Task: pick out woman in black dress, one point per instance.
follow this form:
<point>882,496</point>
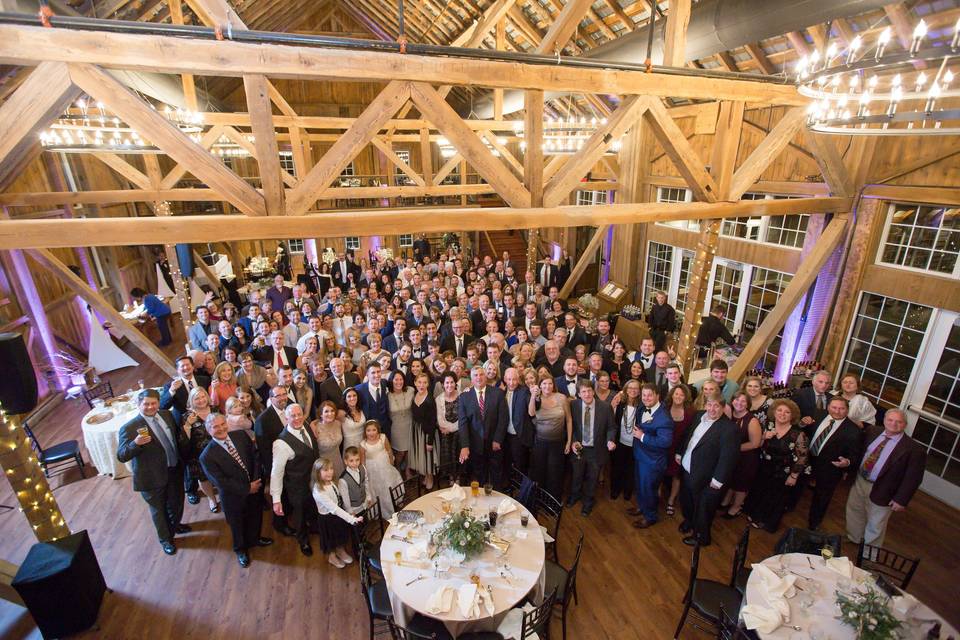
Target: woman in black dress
<point>783,457</point>
<point>617,364</point>
<point>423,412</point>
<point>751,437</point>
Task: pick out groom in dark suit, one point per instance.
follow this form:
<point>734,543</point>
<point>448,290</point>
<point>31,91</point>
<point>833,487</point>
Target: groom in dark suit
<point>483,422</point>
<point>594,437</point>
<point>374,400</point>
<point>230,463</point>
<point>836,444</point>
<point>157,449</point>
<point>707,457</point>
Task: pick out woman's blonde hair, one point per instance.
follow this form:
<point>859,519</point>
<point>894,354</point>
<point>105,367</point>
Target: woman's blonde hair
<point>318,467</point>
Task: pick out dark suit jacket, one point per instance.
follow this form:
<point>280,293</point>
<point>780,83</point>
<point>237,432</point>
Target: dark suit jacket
<point>330,390</point>
<point>266,428</point>
<point>449,344</point>
<point>604,427</point>
<point>477,323</point>
<point>552,275</point>
<point>476,430</point>
<point>715,455</point>
<point>149,461</point>
<point>806,400</point>
<point>651,376</point>
<point>712,329</point>
<point>522,422</point>
<point>264,355</point>
<point>176,402</point>
<point>846,442</point>
<point>902,472</point>
<point>380,410</point>
<point>338,278</point>
<point>577,337</point>
<point>390,343</point>
<point>560,384</point>
<point>232,482</point>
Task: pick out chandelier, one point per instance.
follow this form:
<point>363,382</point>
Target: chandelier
<point>864,89</point>
<point>567,136</point>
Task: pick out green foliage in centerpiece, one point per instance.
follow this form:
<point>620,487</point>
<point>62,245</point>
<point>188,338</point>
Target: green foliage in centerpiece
<point>462,532</point>
<point>869,614</point>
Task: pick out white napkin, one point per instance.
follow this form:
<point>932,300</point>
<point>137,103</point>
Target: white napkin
<point>469,601</point>
<point>416,551</point>
<point>546,535</point>
<point>455,492</point>
<point>441,601</point>
<point>774,586</point>
<point>903,605</point>
<point>506,506</point>
<point>762,619</point>
<point>841,565</point>
<point>512,625</point>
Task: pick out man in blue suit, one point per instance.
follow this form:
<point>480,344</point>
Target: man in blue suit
<point>483,421</point>
<point>519,423</point>
<point>652,436</point>
<point>594,437</point>
<point>373,398</point>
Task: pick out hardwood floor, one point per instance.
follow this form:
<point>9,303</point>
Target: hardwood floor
<point>630,583</point>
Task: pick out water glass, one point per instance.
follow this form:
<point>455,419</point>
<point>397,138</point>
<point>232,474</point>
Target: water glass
<point>524,519</point>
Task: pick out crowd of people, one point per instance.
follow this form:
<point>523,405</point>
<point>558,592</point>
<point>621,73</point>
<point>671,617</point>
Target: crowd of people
<point>313,404</point>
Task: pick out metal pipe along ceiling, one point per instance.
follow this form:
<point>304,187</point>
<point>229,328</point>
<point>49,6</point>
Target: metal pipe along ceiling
<point>715,26</point>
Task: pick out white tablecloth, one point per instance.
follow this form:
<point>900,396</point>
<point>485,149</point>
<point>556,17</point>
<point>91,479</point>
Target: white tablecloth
<point>820,619</point>
<point>525,558</point>
<point>101,439</point>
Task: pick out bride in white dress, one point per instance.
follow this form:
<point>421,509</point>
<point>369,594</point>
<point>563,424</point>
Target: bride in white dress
<point>378,459</point>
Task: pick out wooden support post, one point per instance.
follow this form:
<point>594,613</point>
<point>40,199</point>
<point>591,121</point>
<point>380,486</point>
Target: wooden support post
<point>206,270</point>
<point>98,302</point>
<point>426,156</point>
<point>697,292</point>
<point>533,164</point>
<point>585,259</point>
<point>789,298</point>
<point>189,86</point>
<point>675,38</point>
<point>831,164</point>
<point>563,26</point>
<point>265,140</point>
<point>498,93</point>
<point>765,153</point>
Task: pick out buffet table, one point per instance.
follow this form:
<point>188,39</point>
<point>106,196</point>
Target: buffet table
<point>506,577</point>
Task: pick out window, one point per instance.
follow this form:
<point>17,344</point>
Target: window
<point>883,346</point>
<point>766,286</point>
<point>405,240</point>
<point>591,197</point>
<point>747,227</point>
<point>348,171</point>
<point>295,246</point>
<point>404,155</point>
<point>789,230</point>
<point>683,280</point>
<point>922,237</point>
<point>935,428</point>
<point>677,194</point>
<point>286,163</point>
<point>727,281</point>
<point>659,269</point>
<point>352,242</point>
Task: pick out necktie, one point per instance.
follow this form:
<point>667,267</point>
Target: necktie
<point>510,428</point>
<point>236,456</point>
<point>296,328</point>
<point>659,379</point>
<point>159,427</point>
<point>821,438</point>
<point>480,401</point>
<point>459,346</point>
<point>340,384</point>
<point>871,461</point>
<point>375,394</point>
<point>190,385</point>
<point>587,431</point>
<point>820,401</point>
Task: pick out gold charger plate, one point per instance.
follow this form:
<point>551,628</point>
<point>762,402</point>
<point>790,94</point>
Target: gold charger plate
<point>98,418</point>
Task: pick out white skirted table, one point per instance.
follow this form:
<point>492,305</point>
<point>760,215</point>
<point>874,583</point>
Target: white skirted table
<point>806,586</point>
<point>102,438</point>
<point>509,576</point>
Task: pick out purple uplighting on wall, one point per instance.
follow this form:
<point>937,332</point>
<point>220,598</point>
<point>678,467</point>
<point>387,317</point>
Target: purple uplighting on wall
<point>310,250</point>
<point>36,311</point>
<point>607,248</point>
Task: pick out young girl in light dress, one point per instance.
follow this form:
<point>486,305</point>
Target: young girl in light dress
<point>377,456</point>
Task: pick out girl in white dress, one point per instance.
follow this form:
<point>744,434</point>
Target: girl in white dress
<point>377,455</point>
<point>352,419</point>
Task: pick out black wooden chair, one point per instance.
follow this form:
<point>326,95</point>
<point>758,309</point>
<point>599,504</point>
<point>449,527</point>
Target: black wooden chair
<point>548,511</point>
<point>102,391</point>
<point>892,566</point>
<point>376,596</point>
<point>730,629</point>
<point>446,475</point>
<point>705,598</point>
<point>797,540</point>
<point>535,623</point>
<point>61,455</point>
<point>370,534</point>
<point>522,488</point>
<point>739,574</point>
<point>406,492</point>
<point>563,583</point>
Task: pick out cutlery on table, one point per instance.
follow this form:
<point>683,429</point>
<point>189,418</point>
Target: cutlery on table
<point>400,538</point>
<point>417,579</point>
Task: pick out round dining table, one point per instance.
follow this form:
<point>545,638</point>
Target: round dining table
<point>510,576</point>
<point>101,436</point>
<point>813,606</point>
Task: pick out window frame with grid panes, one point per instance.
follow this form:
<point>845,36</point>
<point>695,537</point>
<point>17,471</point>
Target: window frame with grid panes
<point>677,194</point>
<point>349,171</point>
<point>922,241</point>
<point>351,243</point>
<point>295,246</point>
<point>287,163</point>
<point>586,198</point>
<point>405,240</point>
<point>660,256</point>
<point>756,313</point>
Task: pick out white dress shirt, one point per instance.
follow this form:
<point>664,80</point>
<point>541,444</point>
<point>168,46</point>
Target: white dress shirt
<point>301,344</point>
<point>282,453</point>
<point>698,433</point>
<point>510,428</point>
<point>328,503</point>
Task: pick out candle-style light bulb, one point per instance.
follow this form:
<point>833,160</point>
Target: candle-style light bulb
<point>919,33</point>
<point>855,45</point>
<point>921,80</point>
<point>932,94</point>
<point>956,36</point>
<point>882,42</point>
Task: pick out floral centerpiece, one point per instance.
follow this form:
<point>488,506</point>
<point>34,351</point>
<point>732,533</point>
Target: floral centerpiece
<point>383,254</point>
<point>461,532</point>
<point>869,614</point>
<point>329,257</point>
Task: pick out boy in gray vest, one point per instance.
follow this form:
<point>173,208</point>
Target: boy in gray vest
<point>358,484</point>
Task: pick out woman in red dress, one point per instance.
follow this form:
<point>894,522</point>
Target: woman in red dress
<point>680,405</point>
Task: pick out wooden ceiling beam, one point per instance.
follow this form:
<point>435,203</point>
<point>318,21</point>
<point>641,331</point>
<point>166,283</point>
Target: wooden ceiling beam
<point>678,149</point>
<point>474,35</point>
<point>768,149</point>
<point>799,43</point>
<point>675,37</point>
<point>618,11</point>
<point>760,58</point>
<point>256,88</point>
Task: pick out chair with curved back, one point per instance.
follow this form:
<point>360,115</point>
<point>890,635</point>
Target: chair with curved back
<point>102,391</point>
<point>59,455</point>
<point>370,534</point>
<point>730,629</point>
<point>406,492</point>
<point>705,599</point>
<point>739,574</point>
<point>797,540</point>
<point>563,582</point>
<point>534,623</point>
<point>548,511</point>
<point>892,566</point>
<point>376,596</point>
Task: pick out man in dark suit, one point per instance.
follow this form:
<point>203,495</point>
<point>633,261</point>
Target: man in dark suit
<point>712,329</point>
<point>393,340</point>
<point>478,319</point>
<point>813,401</point>
<point>547,274</point>
<point>157,448</point>
<point>707,457</point>
<point>341,270</point>
<point>294,452</point>
<point>374,400</point>
<point>567,383</point>
<point>173,398</point>
<point>519,423</point>
<point>267,427</point>
<point>834,447</point>
<point>657,374</point>
<point>483,418</point>
<point>594,437</point>
<point>421,247</point>
<point>652,437</point>
<point>458,339</point>
<point>336,383</point>
<point>276,355</point>
<point>575,333</point>
<point>890,473</point>
<point>230,463</point>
